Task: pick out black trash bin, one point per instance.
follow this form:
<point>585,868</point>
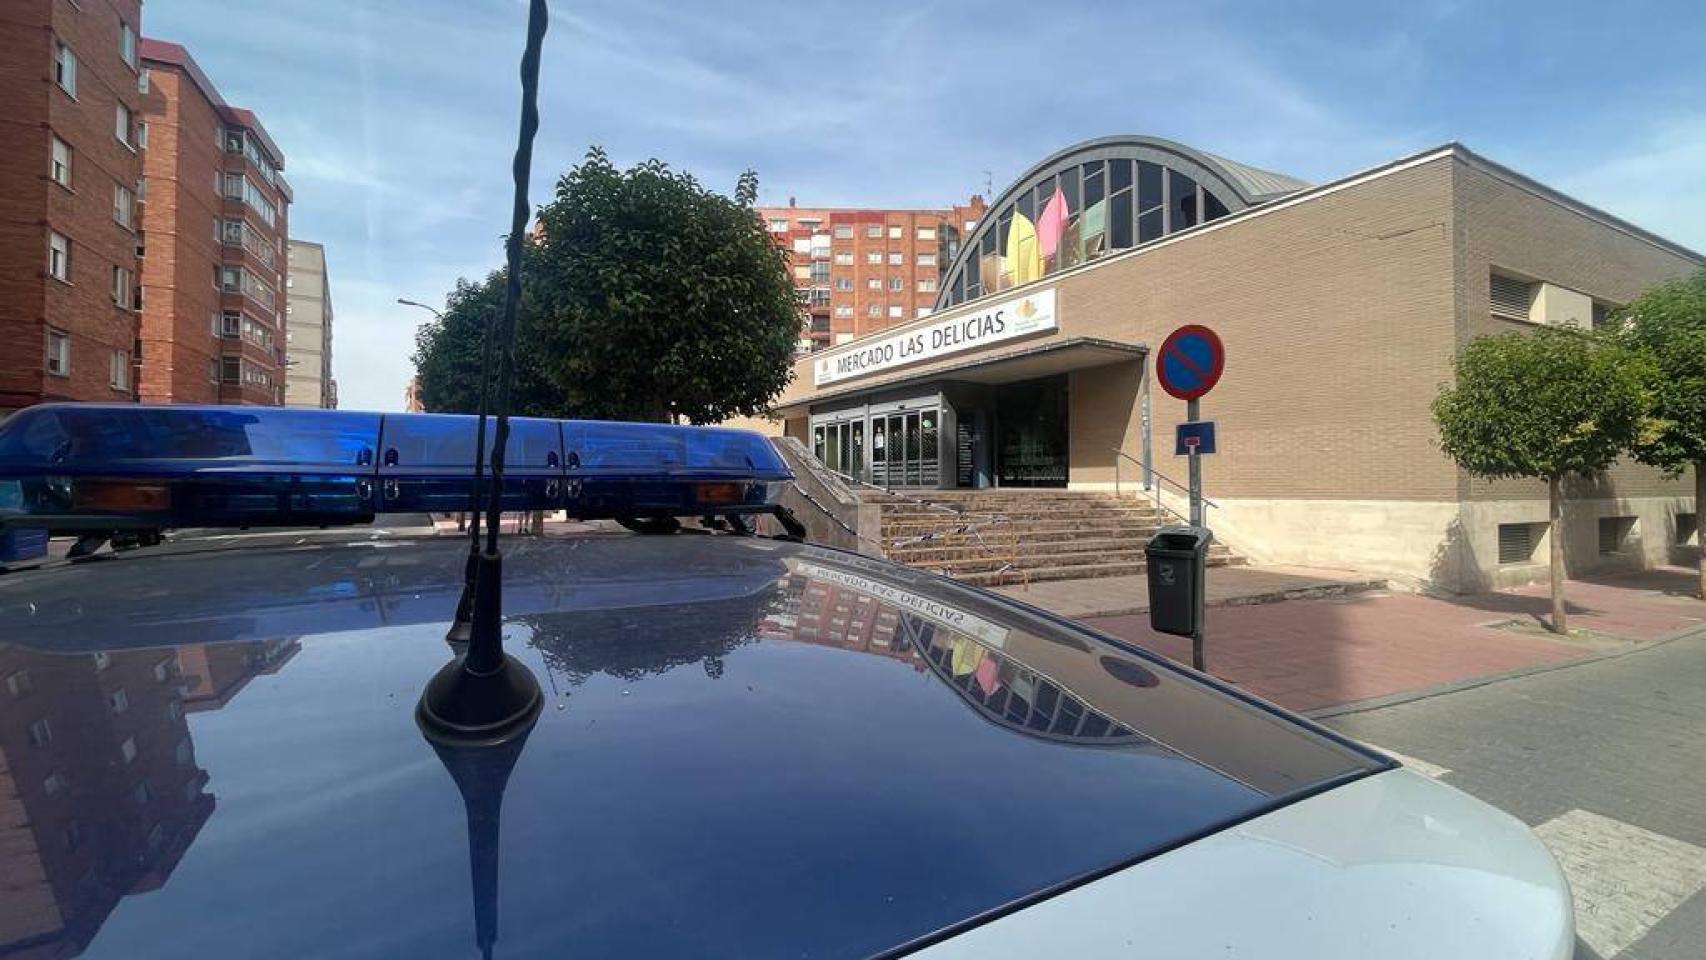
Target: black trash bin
<point>1177,561</point>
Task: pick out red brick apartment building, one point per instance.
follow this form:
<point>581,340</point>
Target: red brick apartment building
<point>71,110</point>
<point>216,225</point>
<point>860,271</point>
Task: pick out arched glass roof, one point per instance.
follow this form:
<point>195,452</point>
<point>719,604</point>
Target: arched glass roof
<point>1097,197</point>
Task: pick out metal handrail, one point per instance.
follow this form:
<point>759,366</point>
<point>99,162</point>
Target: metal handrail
<point>1155,491</point>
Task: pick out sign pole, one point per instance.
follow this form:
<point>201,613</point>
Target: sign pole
<point>1199,658</point>
<point>1193,413</point>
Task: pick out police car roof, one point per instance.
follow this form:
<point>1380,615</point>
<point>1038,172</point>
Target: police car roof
<point>750,747</point>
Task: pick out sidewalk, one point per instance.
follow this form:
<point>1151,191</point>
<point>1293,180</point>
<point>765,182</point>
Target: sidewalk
<point>1112,596</point>
<point>1312,654</point>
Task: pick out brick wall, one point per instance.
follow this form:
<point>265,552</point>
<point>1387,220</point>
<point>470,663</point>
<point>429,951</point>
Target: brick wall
<point>1530,235</point>
<point>33,108</point>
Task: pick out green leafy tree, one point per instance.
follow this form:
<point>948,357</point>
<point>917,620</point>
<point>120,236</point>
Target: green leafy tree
<point>660,299</point>
<point>1667,326</point>
<point>448,351</point>
<point>1545,405</point>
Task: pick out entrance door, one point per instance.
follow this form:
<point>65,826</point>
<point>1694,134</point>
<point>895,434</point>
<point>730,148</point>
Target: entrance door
<point>1031,433</point>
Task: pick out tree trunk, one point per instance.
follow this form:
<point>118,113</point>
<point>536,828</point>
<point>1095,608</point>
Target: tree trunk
<point>1555,535</point>
<point>1700,525</point>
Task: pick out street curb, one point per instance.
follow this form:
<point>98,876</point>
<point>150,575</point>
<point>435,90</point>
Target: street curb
<point>1341,589</point>
<point>1457,686</point>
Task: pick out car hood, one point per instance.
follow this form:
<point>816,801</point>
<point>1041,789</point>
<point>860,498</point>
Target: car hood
<point>749,748</point>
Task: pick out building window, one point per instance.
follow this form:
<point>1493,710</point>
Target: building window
<point>230,279</point>
<point>124,203</point>
<point>927,259</point>
<point>844,258</point>
<point>123,291</point>
<point>874,231</point>
<point>58,353</point>
<point>1511,297</point>
<point>896,312</point>
<point>844,310</point>
<point>897,284</point>
<point>142,134</point>
<point>874,283</point>
<point>127,43</point>
<point>843,283</point>
<point>873,256</point>
<point>894,232</point>
<point>59,165</point>
<point>119,372</point>
<point>926,286</point>
<point>142,80</point>
<point>844,232</point>
<point>122,125</point>
<point>1518,540</point>
<point>1615,534</point>
<point>926,233</point>
<point>127,750</point>
<point>65,68</point>
<point>896,258</point>
<point>230,371</point>
<point>874,310</point>
<point>41,733</point>
<point>58,256</point>
<point>1686,529</point>
<point>925,311</point>
<point>778,225</point>
<point>119,702</point>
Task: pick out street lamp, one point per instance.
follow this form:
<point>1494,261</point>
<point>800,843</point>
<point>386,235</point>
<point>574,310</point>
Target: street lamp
<point>415,303</point>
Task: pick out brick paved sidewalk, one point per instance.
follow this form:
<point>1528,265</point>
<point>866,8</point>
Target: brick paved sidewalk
<point>1312,654</point>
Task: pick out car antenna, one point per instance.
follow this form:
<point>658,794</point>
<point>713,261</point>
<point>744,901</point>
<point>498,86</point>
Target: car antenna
<point>461,628</point>
<point>485,695</point>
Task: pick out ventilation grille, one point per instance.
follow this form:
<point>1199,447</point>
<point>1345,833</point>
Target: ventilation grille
<point>1614,533</point>
<point>1516,542</point>
<point>1511,297</point>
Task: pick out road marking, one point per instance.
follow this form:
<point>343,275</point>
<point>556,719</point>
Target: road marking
<point>1426,769</point>
<point>1624,879</point>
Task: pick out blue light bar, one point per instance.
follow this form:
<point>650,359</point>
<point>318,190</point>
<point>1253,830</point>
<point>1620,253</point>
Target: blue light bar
<point>111,467</point>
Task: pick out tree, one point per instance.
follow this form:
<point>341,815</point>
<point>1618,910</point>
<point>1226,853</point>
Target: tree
<point>1667,326</point>
<point>448,351</point>
<point>1547,405</point>
<point>660,299</point>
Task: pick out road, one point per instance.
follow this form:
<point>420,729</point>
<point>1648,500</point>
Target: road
<point>1607,761</point>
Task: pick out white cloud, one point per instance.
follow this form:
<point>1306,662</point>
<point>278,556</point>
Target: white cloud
<point>1657,183</point>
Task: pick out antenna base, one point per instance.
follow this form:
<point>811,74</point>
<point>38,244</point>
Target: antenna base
<point>463,708</point>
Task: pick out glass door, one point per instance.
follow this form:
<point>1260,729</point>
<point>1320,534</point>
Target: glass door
<point>913,477</point>
<point>879,451</point>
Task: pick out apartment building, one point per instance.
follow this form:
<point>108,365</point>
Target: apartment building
<point>216,225</point>
<point>860,271</point>
<point>308,329</point>
<point>70,109</point>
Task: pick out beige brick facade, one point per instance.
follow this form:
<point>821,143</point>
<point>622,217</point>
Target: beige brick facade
<point>1341,308</point>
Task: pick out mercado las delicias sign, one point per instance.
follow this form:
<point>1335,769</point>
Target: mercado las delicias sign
<point>1008,320</point>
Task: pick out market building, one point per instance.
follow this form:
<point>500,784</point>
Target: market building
<point>1341,306</point>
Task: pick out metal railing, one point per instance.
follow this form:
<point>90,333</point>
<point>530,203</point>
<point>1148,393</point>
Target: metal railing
<point>1154,489</point>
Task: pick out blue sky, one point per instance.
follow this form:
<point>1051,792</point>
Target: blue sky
<point>397,117</point>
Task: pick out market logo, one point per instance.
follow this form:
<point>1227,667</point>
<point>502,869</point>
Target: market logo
<point>1027,309</point>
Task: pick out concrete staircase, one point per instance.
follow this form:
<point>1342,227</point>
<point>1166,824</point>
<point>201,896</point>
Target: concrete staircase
<point>994,537</point>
